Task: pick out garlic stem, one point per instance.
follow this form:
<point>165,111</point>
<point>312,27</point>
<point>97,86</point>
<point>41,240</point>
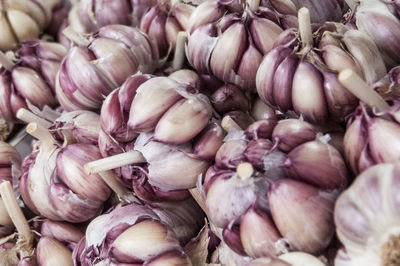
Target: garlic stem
<point>75,37</point>
<point>110,178</point>
<point>179,55</point>
<point>253,5</point>
<point>29,117</point>
<point>15,212</point>
<point>305,29</point>
<point>6,62</point>
<point>244,170</point>
<point>198,198</point>
<point>112,162</point>
<point>40,132</point>
<point>228,124</point>
<point>362,90</point>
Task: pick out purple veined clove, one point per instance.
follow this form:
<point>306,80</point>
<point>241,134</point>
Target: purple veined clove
<point>138,234</point>
<point>298,207</point>
<point>366,215</point>
<point>303,78</point>
<point>29,83</point>
<point>57,172</point>
<point>221,44</point>
<point>86,86</point>
<point>319,164</point>
<point>22,21</point>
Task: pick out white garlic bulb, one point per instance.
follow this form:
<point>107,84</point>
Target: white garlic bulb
<point>367,217</point>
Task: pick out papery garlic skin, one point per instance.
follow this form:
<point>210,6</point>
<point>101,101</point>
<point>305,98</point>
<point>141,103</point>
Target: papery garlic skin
<point>367,218</point>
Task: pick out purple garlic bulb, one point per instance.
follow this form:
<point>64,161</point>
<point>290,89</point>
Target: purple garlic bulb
<point>283,192</point>
<point>229,42</point>
<point>304,78</point>
<point>53,182</point>
<point>90,72</point>
<point>141,235</point>
<point>30,83</point>
<point>165,123</point>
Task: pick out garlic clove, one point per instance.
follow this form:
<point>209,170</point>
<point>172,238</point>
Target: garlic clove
<point>355,139</point>
<point>61,231</point>
<point>308,93</point>
<point>340,101</point>
<point>266,72</point>
<point>70,161</point>
<point>261,129</point>
<point>230,154</point>
<point>228,51</point>
<point>260,27</point>
<point>248,66</point>
<point>143,241</point>
<point>290,133</point>
<point>24,27</point>
<point>383,140</point>
<point>206,12</point>
<point>365,51</point>
<point>229,98</point>
<point>52,252</point>
<point>319,164</point>
<point>7,39</point>
<point>231,236</point>
<point>172,29</point>
<point>114,60</point>
<point>161,93</point>
<point>32,87</point>
<point>261,111</point>
<point>208,142</point>
<point>258,234</point>
<point>338,60</point>
<point>200,46</point>
<point>184,120</point>
<point>283,82</point>
<point>298,207</point>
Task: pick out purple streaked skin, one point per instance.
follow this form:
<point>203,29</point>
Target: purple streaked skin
<point>319,164</point>
<point>298,207</point>
<point>308,93</point>
<point>207,143</point>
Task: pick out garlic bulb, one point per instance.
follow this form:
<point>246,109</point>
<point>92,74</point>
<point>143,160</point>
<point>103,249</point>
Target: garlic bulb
<point>367,218</point>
